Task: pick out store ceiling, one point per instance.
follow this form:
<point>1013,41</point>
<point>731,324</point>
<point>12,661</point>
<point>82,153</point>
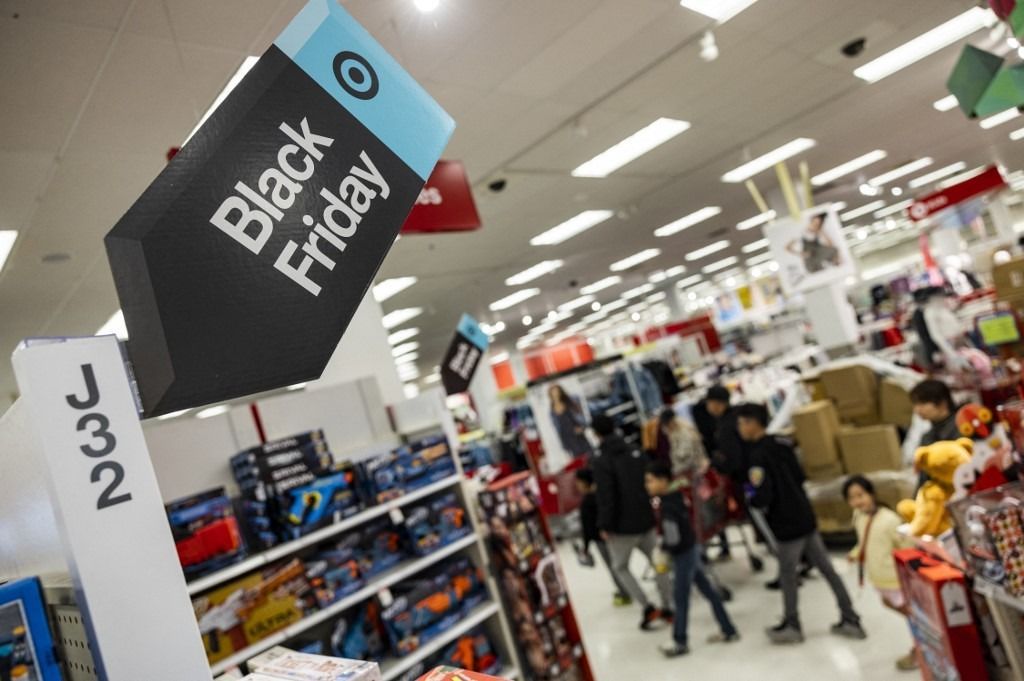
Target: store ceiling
<point>94,93</point>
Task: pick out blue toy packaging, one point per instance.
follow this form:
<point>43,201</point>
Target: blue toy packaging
<point>26,644</point>
<point>381,547</point>
<point>410,467</point>
<point>436,524</point>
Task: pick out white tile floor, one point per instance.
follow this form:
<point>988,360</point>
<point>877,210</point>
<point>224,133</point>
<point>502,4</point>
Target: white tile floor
<point>619,650</point>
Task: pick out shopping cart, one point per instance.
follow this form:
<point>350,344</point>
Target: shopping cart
<point>560,500</point>
<point>717,508</point>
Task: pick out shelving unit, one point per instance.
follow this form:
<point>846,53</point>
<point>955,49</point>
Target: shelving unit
<point>998,593</point>
<point>385,580</point>
<point>292,547</point>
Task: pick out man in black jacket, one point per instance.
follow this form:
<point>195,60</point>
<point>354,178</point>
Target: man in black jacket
<point>716,422</point>
<point>586,486</point>
<point>680,541</point>
<point>625,517</point>
<point>776,488</point>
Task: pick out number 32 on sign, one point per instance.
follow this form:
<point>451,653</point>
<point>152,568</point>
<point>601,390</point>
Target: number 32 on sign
<point>99,442</point>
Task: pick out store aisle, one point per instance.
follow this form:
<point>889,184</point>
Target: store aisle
<point>619,650</point>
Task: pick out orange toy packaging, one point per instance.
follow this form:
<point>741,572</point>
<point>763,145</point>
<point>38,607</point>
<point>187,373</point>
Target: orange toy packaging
<point>452,674</point>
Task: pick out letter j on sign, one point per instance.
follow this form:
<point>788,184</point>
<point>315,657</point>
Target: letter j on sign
<point>241,265</point>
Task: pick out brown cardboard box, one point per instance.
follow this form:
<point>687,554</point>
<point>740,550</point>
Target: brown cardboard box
<point>894,404</point>
<point>833,513</point>
<point>854,390</point>
<point>872,448</point>
<point>891,487</point>
<point>1009,279</point>
<point>815,389</point>
<point>815,428</point>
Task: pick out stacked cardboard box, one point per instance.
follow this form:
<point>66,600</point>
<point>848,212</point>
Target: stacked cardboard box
<point>894,404</point>
<point>816,428</point>
<point>870,449</point>
<point>854,389</point>
<point>834,513</point>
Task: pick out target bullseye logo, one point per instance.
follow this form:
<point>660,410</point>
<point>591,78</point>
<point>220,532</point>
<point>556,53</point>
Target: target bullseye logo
<point>355,75</point>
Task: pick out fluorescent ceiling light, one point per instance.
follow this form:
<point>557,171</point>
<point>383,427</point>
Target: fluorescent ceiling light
<point>7,239</point>
<point>499,358</point>
<point>525,342</point>
<point>902,171</point>
<point>492,329</point>
<point>756,246</point>
<point>719,10</point>
<point>721,264</point>
<point>673,272</point>
<point>402,335</point>
<point>514,299</point>
<point>212,411</point>
<point>926,44</point>
<point>577,303</point>
<point>707,250</point>
<point>924,180</point>
<point>947,103</point>
<point>172,415</point>
<point>400,316</point>
<point>687,221</point>
<point>756,221</point>
<point>596,316</point>
<point>894,208</point>
<point>642,305</point>
<point>614,305</point>
<point>1015,136</point>
<point>631,148</point>
<point>407,358</point>
<point>601,284</point>
<point>638,291</point>
<point>962,177</point>
<point>761,163</point>
<point>635,259</point>
<point>758,259</point>
<point>839,205</point>
<point>848,167</point>
<point>297,386</point>
<point>690,281</point>
<point>246,66</point>
<point>390,287</point>
<point>531,273</point>
<point>571,227</point>
<point>657,297</point>
<point>657,277</point>
<point>863,210</point>
<point>115,326</point>
<point>404,348</point>
<point>999,119</point>
<point>577,327</point>
<point>432,378</point>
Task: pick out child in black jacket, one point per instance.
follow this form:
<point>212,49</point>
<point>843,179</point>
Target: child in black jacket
<point>680,542</point>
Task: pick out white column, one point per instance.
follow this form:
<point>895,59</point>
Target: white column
<point>1002,218</point>
<point>832,316</point>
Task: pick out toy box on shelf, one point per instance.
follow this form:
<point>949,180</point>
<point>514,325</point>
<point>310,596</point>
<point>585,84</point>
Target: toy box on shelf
<point>410,467</point>
<point>290,665</point>
<point>26,645</point>
<point>453,674</point>
<point>206,532</point>
<point>532,583</point>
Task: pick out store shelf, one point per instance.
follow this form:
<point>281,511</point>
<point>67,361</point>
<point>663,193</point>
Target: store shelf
<point>619,408</point>
<point>288,548</point>
<point>383,581</point>
<point>509,673</point>
<point>392,669</point>
<point>998,593</point>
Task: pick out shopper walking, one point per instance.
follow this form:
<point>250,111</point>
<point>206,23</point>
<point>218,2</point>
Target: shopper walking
<point>877,537</point>
<point>625,518</point>
<point>591,535</point>
<point>933,401</point>
<point>684,448</point>
<point>679,540</point>
<point>716,421</point>
<point>776,487</point>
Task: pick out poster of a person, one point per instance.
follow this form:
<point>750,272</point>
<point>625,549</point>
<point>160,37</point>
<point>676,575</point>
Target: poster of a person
<point>562,418</point>
<point>810,251</point>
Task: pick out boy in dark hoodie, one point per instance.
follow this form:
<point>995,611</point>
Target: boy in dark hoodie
<point>680,541</point>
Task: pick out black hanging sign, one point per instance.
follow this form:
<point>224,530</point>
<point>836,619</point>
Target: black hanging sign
<point>463,356</point>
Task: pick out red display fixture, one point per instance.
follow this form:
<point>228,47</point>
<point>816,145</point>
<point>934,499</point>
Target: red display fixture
<point>445,203</point>
<point>941,618</point>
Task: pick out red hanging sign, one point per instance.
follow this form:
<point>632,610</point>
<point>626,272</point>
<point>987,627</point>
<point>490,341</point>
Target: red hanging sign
<point>445,203</point>
<point>928,206</point>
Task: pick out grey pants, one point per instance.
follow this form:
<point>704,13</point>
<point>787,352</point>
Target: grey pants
<point>813,548</point>
<point>621,548</point>
<point>606,556</point>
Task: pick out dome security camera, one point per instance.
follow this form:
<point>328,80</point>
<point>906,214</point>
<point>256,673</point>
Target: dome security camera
<point>854,48</point>
<point>497,186</point>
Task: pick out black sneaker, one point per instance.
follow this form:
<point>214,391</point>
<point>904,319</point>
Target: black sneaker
<point>673,649</point>
<point>651,616</point>
<point>668,615</point>
<point>850,629</point>
<point>785,633</point>
<point>776,584</point>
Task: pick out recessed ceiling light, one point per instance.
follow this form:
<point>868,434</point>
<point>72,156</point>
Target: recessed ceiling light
<point>233,82</point>
<point>400,316</point>
<point>926,44</point>
<point>902,171</point>
<point>582,301</point>
<point>719,10</point>
<point>848,167</point>
<point>115,326</point>
<point>527,320</point>
<point>688,221</point>
<point>690,281</point>
<point>631,148</point>
<point>635,259</point>
<point>212,411</point>
<point>755,246</point>
<point>947,103</point>
<point>721,264</point>
<point>637,292</point>
<point>962,177</point>
<point>535,272</point>
<point>863,210</point>
<point>756,221</point>
<point>762,163</point>
<point>571,227</point>
<point>999,119</point>
<point>707,250</point>
<point>402,335</point>
<point>514,299</point>
<point>426,6</point>
<point>601,284</point>
<point>894,208</point>
<point>924,180</point>
<point>492,329</point>
<point>391,287</point>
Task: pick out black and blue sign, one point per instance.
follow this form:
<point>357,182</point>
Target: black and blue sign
<point>463,356</point>
<point>240,267</point>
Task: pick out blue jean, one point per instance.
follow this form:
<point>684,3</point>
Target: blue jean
<point>689,571</point>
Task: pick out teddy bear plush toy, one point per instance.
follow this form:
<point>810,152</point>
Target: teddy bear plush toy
<point>927,513</point>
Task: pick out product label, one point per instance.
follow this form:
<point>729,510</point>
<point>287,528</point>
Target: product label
<point>463,356</point>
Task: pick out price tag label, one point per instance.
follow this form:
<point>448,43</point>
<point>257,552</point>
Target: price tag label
<point>397,517</point>
<point>385,597</point>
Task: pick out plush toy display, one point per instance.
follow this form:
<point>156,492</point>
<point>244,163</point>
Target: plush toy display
<point>992,453</point>
<point>927,514</point>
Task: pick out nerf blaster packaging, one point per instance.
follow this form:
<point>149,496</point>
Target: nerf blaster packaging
<point>453,674</point>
